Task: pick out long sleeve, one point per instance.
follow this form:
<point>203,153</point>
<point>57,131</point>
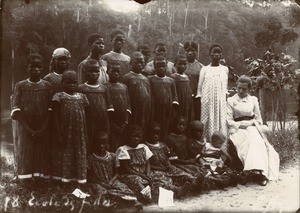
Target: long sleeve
<point>233,126</point>
<point>80,73</point>
<point>108,100</point>
<point>128,107</point>
<point>200,82</point>
<point>174,93</point>
<point>257,115</point>
<point>16,100</point>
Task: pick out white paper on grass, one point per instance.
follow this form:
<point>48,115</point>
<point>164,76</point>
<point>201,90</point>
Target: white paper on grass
<point>165,197</point>
<point>80,194</point>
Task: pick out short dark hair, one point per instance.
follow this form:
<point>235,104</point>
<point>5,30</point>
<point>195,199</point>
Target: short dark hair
<point>245,79</point>
<point>32,56</point>
<point>134,128</point>
<point>111,63</point>
<point>218,135</point>
<point>116,32</point>
<point>179,57</point>
<point>91,63</point>
<point>159,57</point>
<point>93,37</point>
<point>215,45</point>
<point>191,44</point>
<point>143,47</point>
<point>67,74</point>
<point>159,45</point>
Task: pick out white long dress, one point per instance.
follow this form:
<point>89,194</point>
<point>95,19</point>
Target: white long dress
<point>251,144</point>
<point>212,88</point>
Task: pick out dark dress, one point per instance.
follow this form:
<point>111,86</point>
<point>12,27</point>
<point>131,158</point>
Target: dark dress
<point>55,79</point>
<point>123,59</point>
<point>97,115</point>
<point>70,160</point>
<point>163,97</point>
<point>185,96</point>
<point>32,155</point>
<point>101,170</point>
<point>140,97</point>
<point>195,147</point>
<point>160,158</point>
<point>121,103</point>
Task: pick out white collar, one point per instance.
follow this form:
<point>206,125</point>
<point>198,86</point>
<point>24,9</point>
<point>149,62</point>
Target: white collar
<point>34,82</point>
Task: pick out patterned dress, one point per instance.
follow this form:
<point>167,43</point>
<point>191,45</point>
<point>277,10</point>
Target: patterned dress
<point>193,72</point>
<point>97,115</point>
<point>33,101</point>
<point>139,90</point>
<point>211,161</point>
<point>121,103</point>
<point>70,160</point>
<point>212,88</point>
<point>160,158</point>
<point>101,170</point>
<point>138,158</point>
<point>55,79</point>
<point>185,96</point>
<point>123,59</point>
<point>103,77</point>
<point>195,147</point>
<point>253,147</point>
<point>163,97</point>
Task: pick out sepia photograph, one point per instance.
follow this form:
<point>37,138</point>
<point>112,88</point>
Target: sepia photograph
<point>150,106</point>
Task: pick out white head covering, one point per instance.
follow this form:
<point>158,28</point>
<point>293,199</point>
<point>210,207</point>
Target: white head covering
<point>59,52</point>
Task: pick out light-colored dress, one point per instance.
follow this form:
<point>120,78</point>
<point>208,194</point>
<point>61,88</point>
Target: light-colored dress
<point>212,89</point>
<point>252,145</point>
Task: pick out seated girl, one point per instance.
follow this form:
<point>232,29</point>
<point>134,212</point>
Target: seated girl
<point>102,173</point>
<point>160,161</point>
<point>135,169</point>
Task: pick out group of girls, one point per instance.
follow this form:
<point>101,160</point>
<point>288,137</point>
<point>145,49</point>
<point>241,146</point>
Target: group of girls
<point>124,126</point>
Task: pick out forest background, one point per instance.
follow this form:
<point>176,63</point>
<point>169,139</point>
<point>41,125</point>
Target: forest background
<point>245,28</point>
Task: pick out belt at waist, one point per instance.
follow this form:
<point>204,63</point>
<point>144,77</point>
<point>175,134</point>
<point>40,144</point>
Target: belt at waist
<point>244,118</point>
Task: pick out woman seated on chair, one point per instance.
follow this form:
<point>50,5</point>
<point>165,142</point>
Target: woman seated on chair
<point>259,158</point>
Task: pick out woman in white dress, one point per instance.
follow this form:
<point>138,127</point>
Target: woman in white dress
<point>258,156</point>
<point>212,89</point>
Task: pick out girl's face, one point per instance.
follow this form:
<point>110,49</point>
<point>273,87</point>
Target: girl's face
<point>217,143</point>
<point>180,125</point>
<point>160,50</point>
<point>197,134</point>
<point>114,73</point>
<point>61,64</point>
<point>135,138</point>
<point>155,135</point>
<point>216,53</point>
<point>102,145</point>
<point>146,54</point>
<point>190,54</point>
<point>118,42</point>
<point>242,89</point>
<point>137,63</point>
<point>70,85</point>
<point>160,67</point>
<point>92,74</point>
<point>98,46</point>
<point>34,69</point>
<point>181,66</point>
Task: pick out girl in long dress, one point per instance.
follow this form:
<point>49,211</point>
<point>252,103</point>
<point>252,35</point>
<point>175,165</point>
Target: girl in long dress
<point>212,89</point>
<point>249,136</point>
<point>30,108</point>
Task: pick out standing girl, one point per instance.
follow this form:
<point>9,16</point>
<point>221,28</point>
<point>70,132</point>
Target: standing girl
<point>212,88</point>
<point>183,89</point>
<point>31,105</point>
<point>70,161</point>
<point>99,99</point>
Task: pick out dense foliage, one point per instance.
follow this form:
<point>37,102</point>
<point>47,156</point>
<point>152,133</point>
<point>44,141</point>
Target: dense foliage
<point>241,26</point>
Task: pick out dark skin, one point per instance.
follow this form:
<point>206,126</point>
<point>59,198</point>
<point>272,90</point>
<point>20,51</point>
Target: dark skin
<point>134,140</point>
<point>160,50</point>
<point>160,67</point>
<point>216,55</point>
<point>191,54</point>
<point>146,54</point>
<point>61,64</point>
<point>180,66</point>
<point>34,70</point>
<point>137,63</point>
<point>97,49</point>
<point>118,43</point>
<point>114,77</point>
<point>92,75</point>
<point>218,144</point>
<point>154,139</point>
<point>100,149</point>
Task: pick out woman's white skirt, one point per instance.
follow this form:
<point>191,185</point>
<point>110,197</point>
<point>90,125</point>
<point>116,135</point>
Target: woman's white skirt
<point>256,152</point>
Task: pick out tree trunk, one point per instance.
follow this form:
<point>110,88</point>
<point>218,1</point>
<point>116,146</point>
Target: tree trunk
<point>185,16</point>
